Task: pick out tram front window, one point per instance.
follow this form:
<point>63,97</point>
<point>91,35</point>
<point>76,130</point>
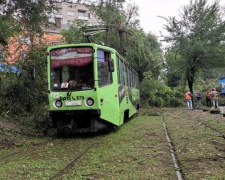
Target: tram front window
<point>72,68</point>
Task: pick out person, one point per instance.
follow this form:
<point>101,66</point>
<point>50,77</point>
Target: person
<point>72,82</point>
<point>198,97</point>
<point>208,99</point>
<point>188,98</point>
<point>215,96</point>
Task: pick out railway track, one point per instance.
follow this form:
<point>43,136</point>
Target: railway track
<point>207,125</point>
<point>72,163</point>
<point>212,129</point>
<point>34,147</point>
<point>178,163</point>
<point>175,160</point>
<point>31,148</point>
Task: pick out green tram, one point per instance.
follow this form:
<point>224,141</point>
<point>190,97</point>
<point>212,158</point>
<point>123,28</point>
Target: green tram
<point>90,88</point>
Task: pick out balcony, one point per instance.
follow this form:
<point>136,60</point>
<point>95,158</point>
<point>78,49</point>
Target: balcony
<point>82,18</point>
<point>59,16</point>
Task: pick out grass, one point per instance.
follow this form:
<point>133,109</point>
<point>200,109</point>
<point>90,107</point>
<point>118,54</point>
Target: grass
<point>136,150</point>
<point>195,144</point>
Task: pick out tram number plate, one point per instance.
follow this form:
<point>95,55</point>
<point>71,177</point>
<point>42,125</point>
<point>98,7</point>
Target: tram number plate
<point>73,103</point>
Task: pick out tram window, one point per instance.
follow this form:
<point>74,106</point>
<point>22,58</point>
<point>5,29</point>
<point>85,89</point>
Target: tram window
<point>125,74</point>
<point>122,78</point>
<point>72,68</point>
<point>135,81</point>
<point>118,69</point>
<point>130,73</point>
<point>129,76</point>
<point>104,76</point>
<point>132,79</point>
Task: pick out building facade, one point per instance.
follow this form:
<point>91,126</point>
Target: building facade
<point>68,11</point>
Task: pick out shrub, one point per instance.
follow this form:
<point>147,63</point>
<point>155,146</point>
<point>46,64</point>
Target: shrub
<point>22,98</point>
<point>156,93</point>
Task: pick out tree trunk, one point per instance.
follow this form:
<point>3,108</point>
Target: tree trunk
<point>121,43</point>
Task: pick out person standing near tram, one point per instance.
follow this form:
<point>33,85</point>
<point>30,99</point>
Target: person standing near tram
<point>215,96</point>
<point>198,98</point>
<point>188,98</point>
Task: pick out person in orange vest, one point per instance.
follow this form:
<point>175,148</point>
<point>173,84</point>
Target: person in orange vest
<point>188,98</point>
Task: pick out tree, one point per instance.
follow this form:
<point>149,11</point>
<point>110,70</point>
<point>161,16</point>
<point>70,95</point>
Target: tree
<point>198,37</point>
<point>74,33</point>
<point>144,54</point>
<point>112,13</point>
<point>141,50</point>
<point>24,17</point>
<point>174,77</point>
<point>20,95</point>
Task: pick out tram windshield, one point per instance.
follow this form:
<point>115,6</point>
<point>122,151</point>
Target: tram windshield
<point>72,68</point>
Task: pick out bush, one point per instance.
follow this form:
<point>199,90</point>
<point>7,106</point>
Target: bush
<point>22,98</point>
<point>156,93</point>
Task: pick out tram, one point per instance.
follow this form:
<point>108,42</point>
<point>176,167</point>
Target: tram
<point>90,88</point>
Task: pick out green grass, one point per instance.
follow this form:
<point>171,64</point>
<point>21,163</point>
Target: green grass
<point>196,145</point>
<point>136,150</point>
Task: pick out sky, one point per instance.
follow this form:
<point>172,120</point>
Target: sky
<point>149,10</point>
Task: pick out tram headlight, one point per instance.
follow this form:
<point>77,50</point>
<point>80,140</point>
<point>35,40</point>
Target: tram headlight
<point>90,102</point>
<point>58,103</point>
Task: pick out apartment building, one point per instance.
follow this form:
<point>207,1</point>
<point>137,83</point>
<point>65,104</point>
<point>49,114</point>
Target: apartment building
<point>68,11</point>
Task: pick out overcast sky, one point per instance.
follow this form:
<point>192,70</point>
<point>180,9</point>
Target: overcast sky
<point>150,9</point>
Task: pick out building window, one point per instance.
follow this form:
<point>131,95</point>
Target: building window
<point>69,22</point>
<point>25,40</point>
<point>58,22</point>
<point>90,16</point>
<point>81,13</point>
<point>58,11</point>
<point>55,42</point>
<point>70,13</point>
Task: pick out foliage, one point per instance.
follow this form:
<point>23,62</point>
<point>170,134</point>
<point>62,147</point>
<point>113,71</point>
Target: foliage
<point>20,95</point>
<point>26,17</point>
<point>74,34</point>
<point>208,79</point>
<point>156,93</point>
<point>112,14</point>
<point>198,37</point>
<point>6,29</point>
<point>143,53</point>
<point>174,69</point>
